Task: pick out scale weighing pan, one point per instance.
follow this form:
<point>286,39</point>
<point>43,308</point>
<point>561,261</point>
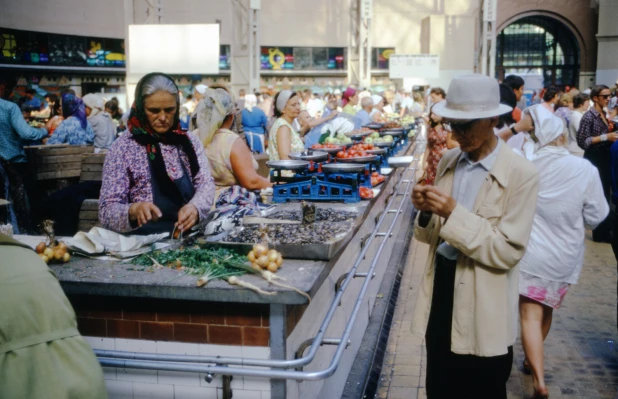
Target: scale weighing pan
<point>343,168</point>
<point>392,132</point>
<point>329,150</point>
<point>359,135</point>
<point>400,162</point>
<point>374,126</point>
<point>384,144</point>
<point>378,151</point>
<point>287,164</point>
<point>316,156</point>
<point>367,159</point>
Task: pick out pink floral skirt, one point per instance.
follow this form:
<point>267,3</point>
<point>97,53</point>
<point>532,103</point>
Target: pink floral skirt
<point>546,292</point>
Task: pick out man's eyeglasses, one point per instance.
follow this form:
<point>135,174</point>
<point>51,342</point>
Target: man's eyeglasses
<point>605,96</point>
<point>459,126</point>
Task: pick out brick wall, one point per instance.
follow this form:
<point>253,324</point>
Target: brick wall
<point>178,321</point>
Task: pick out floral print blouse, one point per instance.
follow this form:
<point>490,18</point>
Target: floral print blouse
<point>70,131</point>
<point>126,180</point>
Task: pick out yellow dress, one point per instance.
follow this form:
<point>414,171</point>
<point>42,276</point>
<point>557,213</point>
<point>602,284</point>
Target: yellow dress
<point>218,153</point>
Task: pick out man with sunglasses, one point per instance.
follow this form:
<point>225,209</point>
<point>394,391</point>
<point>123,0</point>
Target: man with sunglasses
<point>477,220</point>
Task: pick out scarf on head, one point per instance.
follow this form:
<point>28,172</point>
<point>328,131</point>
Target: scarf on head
<point>95,103</point>
<point>144,135</point>
<point>74,106</point>
<point>349,92</point>
<point>211,112</point>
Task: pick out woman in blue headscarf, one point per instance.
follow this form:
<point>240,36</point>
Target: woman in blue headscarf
<point>75,128</point>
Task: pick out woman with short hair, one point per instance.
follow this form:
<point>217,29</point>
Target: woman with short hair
<point>156,177</point>
<point>581,103</point>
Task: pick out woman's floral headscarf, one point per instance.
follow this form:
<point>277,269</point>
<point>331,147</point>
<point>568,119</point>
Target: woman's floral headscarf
<point>74,106</point>
<point>211,112</point>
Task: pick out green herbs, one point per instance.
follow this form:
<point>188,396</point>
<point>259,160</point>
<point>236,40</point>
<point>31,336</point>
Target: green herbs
<point>210,263</point>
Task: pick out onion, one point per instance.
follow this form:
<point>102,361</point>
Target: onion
<point>44,258</point>
<point>272,267</point>
<point>279,261</point>
<point>59,254</point>
<point>49,253</point>
<point>40,248</point>
<point>66,257</point>
<point>263,261</point>
<point>260,250</point>
<point>273,255</point>
<point>62,245</point>
<point>256,266</point>
<point>251,256</point>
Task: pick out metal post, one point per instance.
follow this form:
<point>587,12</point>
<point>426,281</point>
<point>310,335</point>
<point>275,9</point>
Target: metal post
<point>492,51</point>
<point>484,50</point>
<point>254,47</point>
<point>278,316</point>
<point>368,54</point>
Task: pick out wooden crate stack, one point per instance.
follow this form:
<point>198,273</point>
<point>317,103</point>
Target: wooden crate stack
<point>51,162</point>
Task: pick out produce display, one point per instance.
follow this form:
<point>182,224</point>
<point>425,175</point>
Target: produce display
<point>360,132</point>
<point>376,179</point>
<point>407,120</point>
<point>315,233</point>
<point>411,133</point>
<point>362,147</point>
<point>345,154</point>
<point>339,139</point>
<point>58,252</point>
<point>366,193</point>
<point>375,138</point>
<point>322,214</point>
<point>262,258</point>
<point>392,125</point>
<point>325,145</point>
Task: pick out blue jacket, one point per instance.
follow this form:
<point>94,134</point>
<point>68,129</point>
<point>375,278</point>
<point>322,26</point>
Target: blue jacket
<point>14,129</point>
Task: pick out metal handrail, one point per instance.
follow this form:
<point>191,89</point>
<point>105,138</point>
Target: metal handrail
<point>153,361</point>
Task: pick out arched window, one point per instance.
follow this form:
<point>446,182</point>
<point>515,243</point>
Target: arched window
<point>541,46</point>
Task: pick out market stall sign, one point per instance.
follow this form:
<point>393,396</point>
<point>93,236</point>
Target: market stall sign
<point>426,66</point>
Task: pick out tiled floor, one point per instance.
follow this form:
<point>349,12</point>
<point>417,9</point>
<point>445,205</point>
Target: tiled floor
<point>581,350</point>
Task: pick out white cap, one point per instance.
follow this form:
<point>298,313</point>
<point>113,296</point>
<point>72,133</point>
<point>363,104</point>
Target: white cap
<point>337,91</point>
<point>201,88</point>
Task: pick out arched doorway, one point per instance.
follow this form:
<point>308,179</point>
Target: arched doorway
<point>539,45</point>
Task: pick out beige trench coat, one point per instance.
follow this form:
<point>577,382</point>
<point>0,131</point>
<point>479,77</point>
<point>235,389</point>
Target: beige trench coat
<point>491,239</point>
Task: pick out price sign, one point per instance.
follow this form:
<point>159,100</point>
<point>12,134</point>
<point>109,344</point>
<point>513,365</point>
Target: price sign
<point>426,66</point>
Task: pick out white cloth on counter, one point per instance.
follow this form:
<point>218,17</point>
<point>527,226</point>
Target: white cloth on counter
<point>570,200</point>
<point>338,125</point>
<point>102,241</point>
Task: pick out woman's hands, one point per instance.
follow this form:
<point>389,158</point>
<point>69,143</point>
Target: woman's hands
<point>188,217</point>
<point>144,212</point>
<point>433,199</point>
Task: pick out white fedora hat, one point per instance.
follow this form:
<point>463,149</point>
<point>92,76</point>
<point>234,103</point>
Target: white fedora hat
<point>471,96</point>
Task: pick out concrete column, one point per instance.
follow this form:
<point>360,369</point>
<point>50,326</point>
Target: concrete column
<point>607,60</point>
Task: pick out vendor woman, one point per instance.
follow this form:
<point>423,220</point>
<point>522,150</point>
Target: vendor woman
<point>283,139</point>
<point>155,177</point>
<point>231,161</point>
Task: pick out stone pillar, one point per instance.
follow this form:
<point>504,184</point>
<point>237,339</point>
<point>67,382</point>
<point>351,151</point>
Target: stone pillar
<point>607,60</point>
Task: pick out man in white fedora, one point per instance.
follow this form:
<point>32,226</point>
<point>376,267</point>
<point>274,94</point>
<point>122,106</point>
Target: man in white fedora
<point>477,220</point>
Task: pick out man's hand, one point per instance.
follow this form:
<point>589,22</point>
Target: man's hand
<point>333,114</point>
<point>187,217</point>
<point>439,202</point>
<point>419,198</point>
<point>144,212</point>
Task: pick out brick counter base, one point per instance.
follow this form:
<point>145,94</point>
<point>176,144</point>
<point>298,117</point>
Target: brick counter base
<point>178,321</point>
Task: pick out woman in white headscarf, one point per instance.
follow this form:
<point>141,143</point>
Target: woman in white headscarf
<point>231,161</point>
<point>283,138</point>
<point>254,122</point>
<point>570,200</point>
<point>377,114</point>
<point>102,124</point>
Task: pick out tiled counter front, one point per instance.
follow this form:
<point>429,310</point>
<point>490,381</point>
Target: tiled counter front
<point>175,327</point>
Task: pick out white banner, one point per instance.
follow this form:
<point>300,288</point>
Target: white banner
<point>424,66</point>
<point>366,10</point>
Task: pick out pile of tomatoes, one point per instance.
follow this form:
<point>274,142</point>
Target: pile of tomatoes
<point>325,145</point>
<point>366,193</point>
<point>376,179</point>
<point>357,150</point>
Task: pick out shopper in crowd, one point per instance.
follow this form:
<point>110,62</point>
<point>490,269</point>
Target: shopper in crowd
<point>350,101</point>
<point>377,114</point>
<point>516,83</point>
<point>283,139</point>
<point>254,123</point>
<point>54,104</point>
<point>570,200</point>
<point>581,104</point>
<point>155,177</point>
<point>363,117</point>
<point>19,185</point>
<point>436,95</point>
<point>564,107</point>
<point>198,94</point>
<point>33,103</point>
<point>407,103</point>
<point>240,102</point>
<point>310,129</point>
<point>306,96</point>
<point>551,95</point>
<point>43,355</point>
<point>230,159</point>
<point>438,142</point>
<point>75,128</point>
<point>101,122</point>
<point>595,139</point>
<point>390,105</point>
<point>477,220</point>
<point>331,106</point>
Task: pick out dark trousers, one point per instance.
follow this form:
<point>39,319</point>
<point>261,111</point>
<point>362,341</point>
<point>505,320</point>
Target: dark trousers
<point>450,375</point>
<point>600,156</point>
